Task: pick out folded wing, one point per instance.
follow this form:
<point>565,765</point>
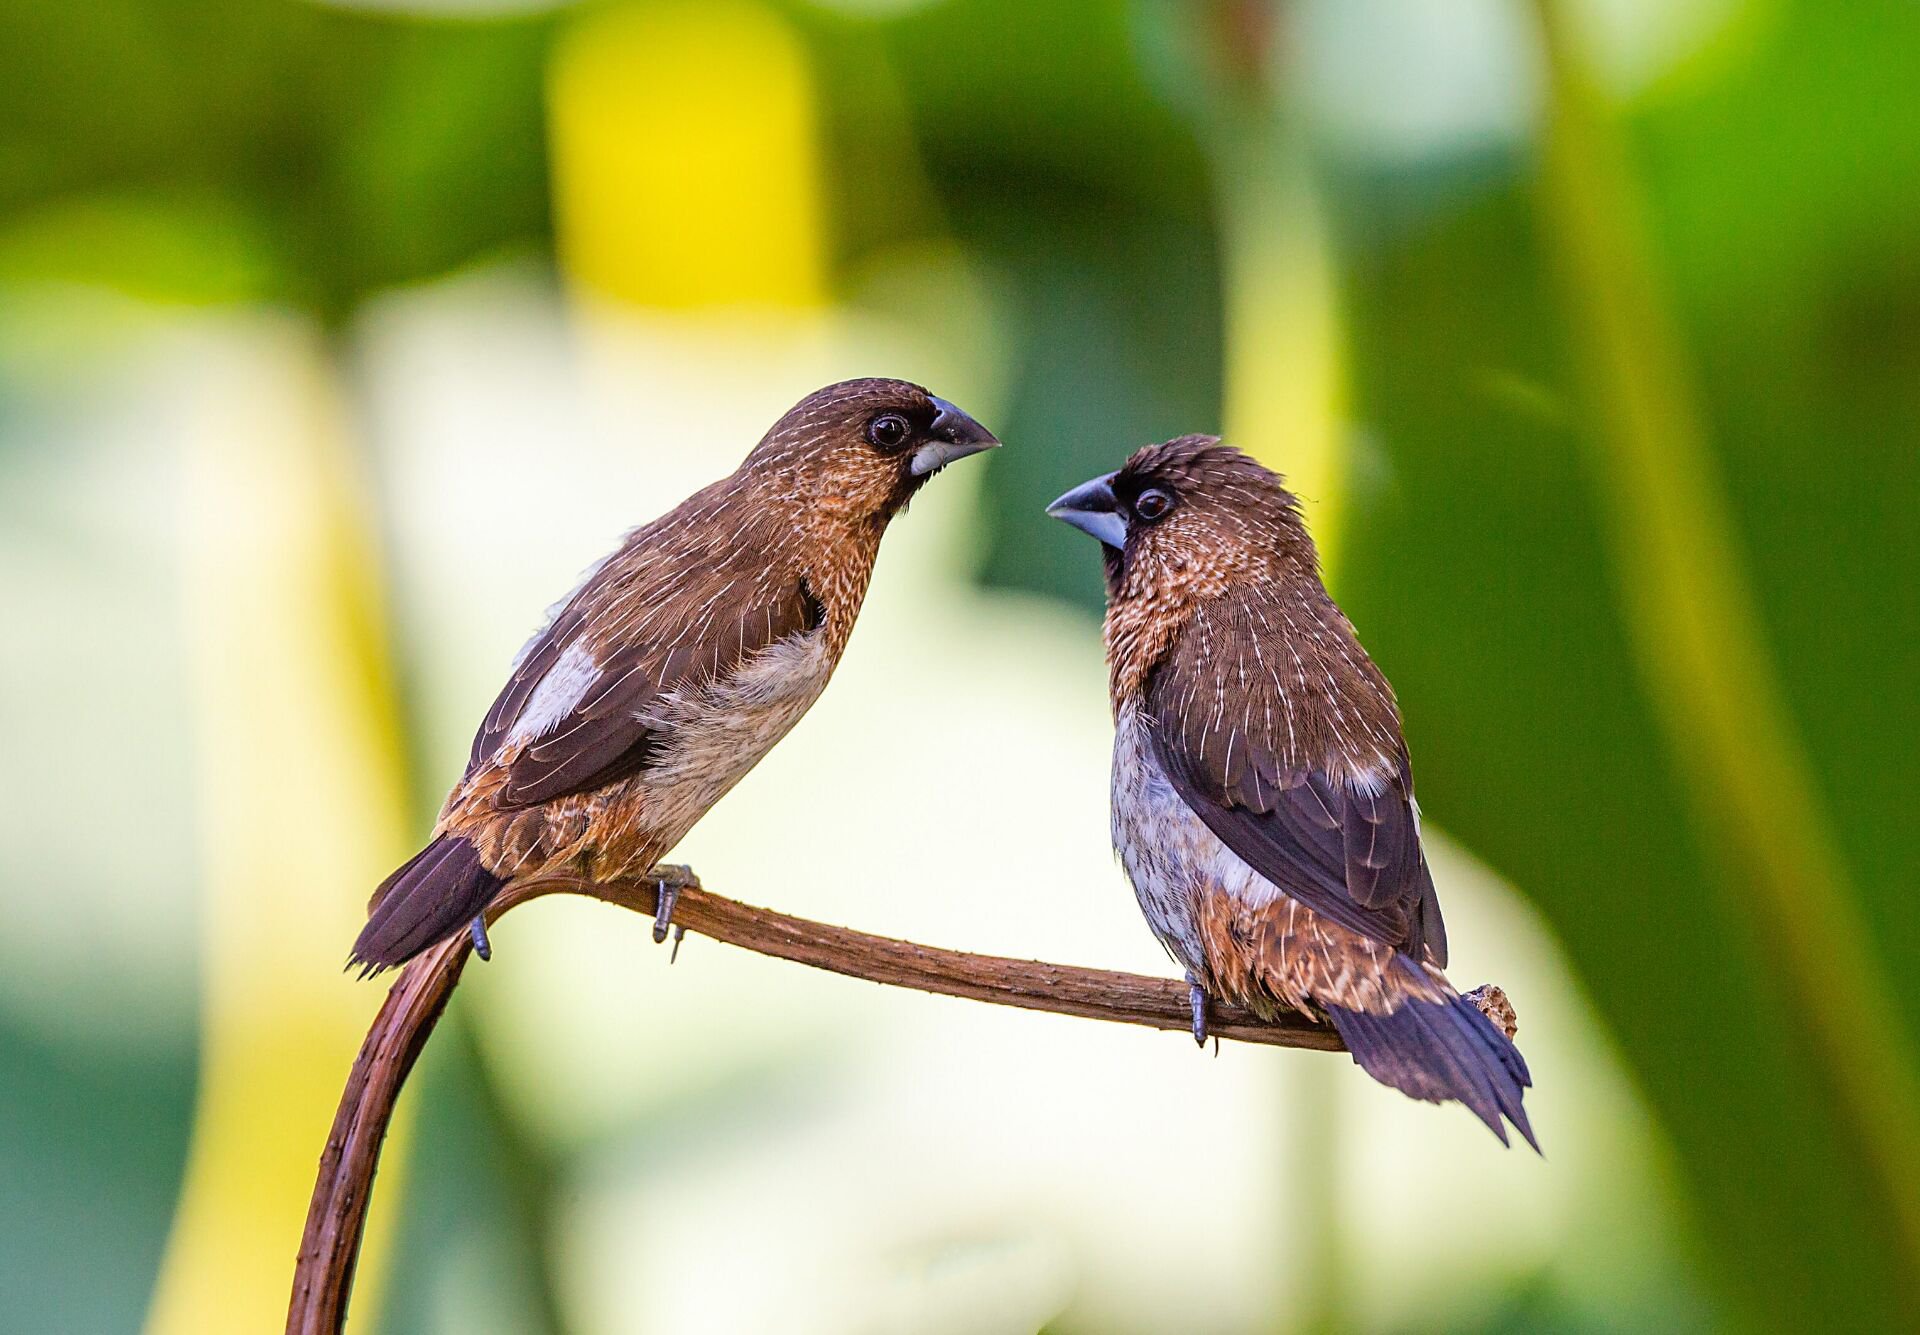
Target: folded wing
<point>581,709</point>
<point>1298,767</point>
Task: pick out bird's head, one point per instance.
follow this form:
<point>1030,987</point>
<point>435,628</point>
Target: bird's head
<point>859,450</point>
<point>1186,520</point>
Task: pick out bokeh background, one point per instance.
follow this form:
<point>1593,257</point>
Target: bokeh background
<point>336,338</point>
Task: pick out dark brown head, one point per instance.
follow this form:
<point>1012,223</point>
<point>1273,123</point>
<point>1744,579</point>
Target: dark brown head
<point>1180,525</point>
<point>858,451</point>
<point>1189,518</point>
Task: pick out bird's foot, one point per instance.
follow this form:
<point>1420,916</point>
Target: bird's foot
<point>668,881</point>
<point>477,929</point>
<point>1197,998</point>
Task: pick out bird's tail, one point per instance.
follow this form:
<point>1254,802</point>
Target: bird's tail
<point>1439,1051</point>
<point>435,893</point>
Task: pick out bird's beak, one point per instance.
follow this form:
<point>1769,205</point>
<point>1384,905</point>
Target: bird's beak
<point>1092,508</point>
<point>954,436</point>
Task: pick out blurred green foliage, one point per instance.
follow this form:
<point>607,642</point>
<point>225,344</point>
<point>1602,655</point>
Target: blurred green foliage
<point>1483,581</point>
<point>90,1152</point>
<point>337,152</point>
<point>1090,197</point>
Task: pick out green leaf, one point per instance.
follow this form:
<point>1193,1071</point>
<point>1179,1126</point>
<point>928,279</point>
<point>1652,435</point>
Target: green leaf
<point>1485,574</point>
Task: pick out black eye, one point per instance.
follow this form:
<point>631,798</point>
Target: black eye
<point>888,431</point>
<point>1152,504</point>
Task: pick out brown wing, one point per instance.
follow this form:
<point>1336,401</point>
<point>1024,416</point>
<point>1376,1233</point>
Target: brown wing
<point>1264,717</point>
<point>656,618</point>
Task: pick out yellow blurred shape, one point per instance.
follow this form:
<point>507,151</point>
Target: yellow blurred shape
<point>1285,380</point>
<point>298,769</point>
<point>685,157</point>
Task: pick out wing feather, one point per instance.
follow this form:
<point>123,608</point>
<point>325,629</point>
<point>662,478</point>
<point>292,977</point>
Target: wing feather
<point>1304,777</point>
<point>651,623</point>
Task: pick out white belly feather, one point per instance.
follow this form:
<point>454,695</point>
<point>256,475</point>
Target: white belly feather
<point>1170,855</point>
<point>715,734</point>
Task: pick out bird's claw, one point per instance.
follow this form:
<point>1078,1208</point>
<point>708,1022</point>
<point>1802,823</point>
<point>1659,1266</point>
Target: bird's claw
<point>666,895</point>
<point>668,882</point>
<point>477,929</point>
<point>1197,998</point>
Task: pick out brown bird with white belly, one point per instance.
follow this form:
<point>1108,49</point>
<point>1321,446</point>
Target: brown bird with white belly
<point>676,665</point>
<point>1262,795</point>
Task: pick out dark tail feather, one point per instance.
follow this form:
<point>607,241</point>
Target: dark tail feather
<point>1440,1051</point>
<point>437,892</point>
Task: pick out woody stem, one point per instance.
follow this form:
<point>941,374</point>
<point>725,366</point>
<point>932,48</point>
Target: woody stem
<point>336,1216</point>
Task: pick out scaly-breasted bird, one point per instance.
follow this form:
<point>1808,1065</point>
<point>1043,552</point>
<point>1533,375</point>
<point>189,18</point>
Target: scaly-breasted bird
<point>676,664</point>
<point>1262,797</point>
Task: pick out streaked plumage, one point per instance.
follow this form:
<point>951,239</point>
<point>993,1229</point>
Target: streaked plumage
<point>676,664</point>
<point>1262,795</point>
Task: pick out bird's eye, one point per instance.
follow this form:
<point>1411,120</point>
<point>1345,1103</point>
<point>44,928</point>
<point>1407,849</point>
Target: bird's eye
<point>888,431</point>
<point>1152,504</point>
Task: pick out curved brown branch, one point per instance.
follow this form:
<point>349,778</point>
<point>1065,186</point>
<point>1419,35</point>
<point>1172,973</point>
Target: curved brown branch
<point>336,1217</point>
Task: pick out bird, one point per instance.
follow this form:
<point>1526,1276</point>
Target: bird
<point>677,662</point>
<point>1263,804</point>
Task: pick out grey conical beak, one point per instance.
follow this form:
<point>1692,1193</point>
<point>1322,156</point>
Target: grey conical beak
<point>954,436</point>
<point>1092,508</point>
